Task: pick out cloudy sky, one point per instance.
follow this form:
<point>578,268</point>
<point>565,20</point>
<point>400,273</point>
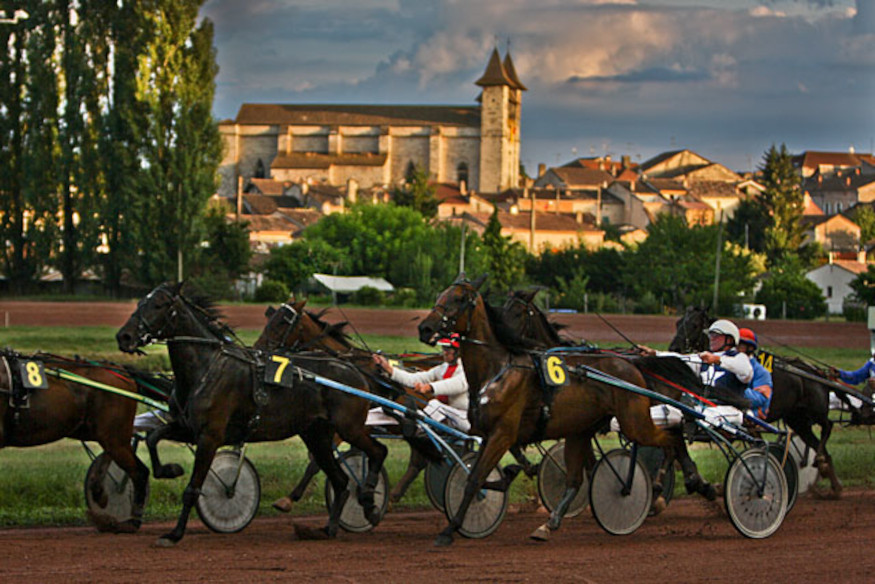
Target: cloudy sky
<point>725,78</point>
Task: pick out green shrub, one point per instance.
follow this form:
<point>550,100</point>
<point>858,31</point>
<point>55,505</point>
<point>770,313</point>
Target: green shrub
<point>404,297</point>
<point>272,291</point>
<point>854,311</point>
<point>368,296</point>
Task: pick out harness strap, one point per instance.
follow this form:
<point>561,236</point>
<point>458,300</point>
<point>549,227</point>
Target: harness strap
<point>68,376</point>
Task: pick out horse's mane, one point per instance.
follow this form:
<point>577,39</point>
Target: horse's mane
<point>207,308</point>
<point>505,334</point>
<point>671,368</point>
<point>333,330</point>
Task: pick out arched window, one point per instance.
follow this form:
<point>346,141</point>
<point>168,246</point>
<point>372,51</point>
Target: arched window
<point>259,169</point>
<point>462,173</point>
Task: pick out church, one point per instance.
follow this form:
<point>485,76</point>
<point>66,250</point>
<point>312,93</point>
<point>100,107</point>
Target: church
<point>377,146</point>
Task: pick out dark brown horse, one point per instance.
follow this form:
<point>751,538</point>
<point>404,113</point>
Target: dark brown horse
<point>223,400</point>
<point>68,409</point>
<point>294,328</point>
<point>801,401</point>
<point>666,375</point>
<point>508,409</point>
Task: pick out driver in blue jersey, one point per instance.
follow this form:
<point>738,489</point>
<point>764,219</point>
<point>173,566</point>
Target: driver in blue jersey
<point>759,390</point>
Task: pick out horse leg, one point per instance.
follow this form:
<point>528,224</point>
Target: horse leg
<point>161,471</point>
<point>494,447</point>
<point>519,455</point>
<point>376,452</point>
<point>415,465</point>
<point>203,459</point>
<point>693,481</point>
<point>827,468</point>
<point>803,428</point>
<point>284,504</point>
<point>578,449</point>
<point>318,438</point>
<point>121,451</point>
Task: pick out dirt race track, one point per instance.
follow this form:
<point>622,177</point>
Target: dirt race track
<point>641,329</point>
<point>693,541</point>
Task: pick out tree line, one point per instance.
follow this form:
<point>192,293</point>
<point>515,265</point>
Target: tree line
<point>763,255</point>
<point>108,146</point>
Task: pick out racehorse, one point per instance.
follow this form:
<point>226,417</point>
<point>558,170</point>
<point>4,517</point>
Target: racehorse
<point>63,408</point>
<point>508,409</point>
<point>222,398</point>
<point>293,328</point>
<point>801,401</point>
<point>665,375</point>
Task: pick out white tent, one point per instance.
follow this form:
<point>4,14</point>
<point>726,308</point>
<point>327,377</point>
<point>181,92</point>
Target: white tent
<point>350,284</point>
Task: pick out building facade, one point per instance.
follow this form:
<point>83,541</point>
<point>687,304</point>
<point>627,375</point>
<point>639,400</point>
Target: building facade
<point>381,145</point>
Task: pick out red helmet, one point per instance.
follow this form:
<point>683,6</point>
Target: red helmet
<point>746,335</point>
<point>453,341</point>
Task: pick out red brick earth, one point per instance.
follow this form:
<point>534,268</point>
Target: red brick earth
<point>693,541</point>
<point>640,329</point>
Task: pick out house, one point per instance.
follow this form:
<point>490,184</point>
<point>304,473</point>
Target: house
<point>543,231</point>
<point>834,233</point>
<point>834,279</point>
<point>812,162</point>
<point>840,190</point>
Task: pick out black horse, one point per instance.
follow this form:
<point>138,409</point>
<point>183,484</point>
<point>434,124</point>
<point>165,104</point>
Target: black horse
<point>801,401</point>
<point>222,399</point>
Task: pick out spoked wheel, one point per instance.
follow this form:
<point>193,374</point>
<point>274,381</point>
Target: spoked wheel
<point>230,494</point>
<point>116,484</point>
<point>652,459</point>
<point>551,482</point>
<point>756,494</point>
<point>791,472</point>
<point>352,518</point>
<point>620,506</point>
<point>436,474</point>
<point>488,508</point>
<point>804,457</point>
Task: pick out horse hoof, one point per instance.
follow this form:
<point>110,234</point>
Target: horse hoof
<point>540,534</point>
<point>659,505</point>
<point>165,542</point>
<point>305,532</point>
<point>374,517</point>
<point>169,471</point>
<point>129,526</point>
<point>283,505</point>
<point>443,540</point>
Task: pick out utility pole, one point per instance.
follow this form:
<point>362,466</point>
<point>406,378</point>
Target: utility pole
<point>462,250</point>
<point>717,263</point>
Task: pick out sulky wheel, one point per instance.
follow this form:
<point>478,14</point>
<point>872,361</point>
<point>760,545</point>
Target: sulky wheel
<point>355,465</point>
<point>230,494</point>
<point>551,482</point>
<point>652,458</point>
<point>790,468</point>
<point>756,503</point>
<point>486,511</point>
<point>618,509</point>
<point>805,463</point>
<point>105,476</point>
<point>436,474</point>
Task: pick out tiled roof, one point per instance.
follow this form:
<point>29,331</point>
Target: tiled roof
<point>302,217</point>
<point>665,184</point>
<point>357,115</point>
<point>713,188</point>
<point>269,223</point>
<point>267,186</point>
<point>658,159</point>
<point>852,266</point>
<point>582,177</point>
<point>813,158</point>
<point>323,161</point>
<point>259,204</point>
<point>839,182</point>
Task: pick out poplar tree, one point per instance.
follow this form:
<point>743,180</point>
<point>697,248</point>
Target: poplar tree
<point>784,203</point>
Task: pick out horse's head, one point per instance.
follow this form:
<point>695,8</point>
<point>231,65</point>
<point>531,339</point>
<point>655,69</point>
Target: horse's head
<point>452,310</point>
<point>523,317</point>
<point>690,335</point>
<point>165,313</point>
<point>282,328</point>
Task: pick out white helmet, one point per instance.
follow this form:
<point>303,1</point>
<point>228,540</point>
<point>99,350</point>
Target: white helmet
<point>724,327</point>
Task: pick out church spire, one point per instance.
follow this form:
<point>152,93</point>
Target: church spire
<point>511,73</point>
<point>495,73</point>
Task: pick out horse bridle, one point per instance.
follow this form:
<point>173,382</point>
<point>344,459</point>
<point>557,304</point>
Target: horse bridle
<point>145,328</point>
<point>448,325</point>
<point>290,320</point>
